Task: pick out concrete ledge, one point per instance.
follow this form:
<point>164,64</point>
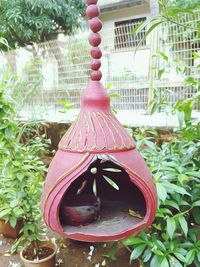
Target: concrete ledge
<point>120,5</point>
<point>131,118</point>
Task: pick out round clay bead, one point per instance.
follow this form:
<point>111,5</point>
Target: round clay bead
<point>92,11</point>
<point>94,39</point>
<point>96,52</point>
<point>91,2</point>
<point>95,64</point>
<point>95,24</point>
<point>96,75</point>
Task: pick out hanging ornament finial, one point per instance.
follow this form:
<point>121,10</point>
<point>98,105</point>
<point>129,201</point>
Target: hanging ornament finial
<point>95,136</point>
<point>95,25</point>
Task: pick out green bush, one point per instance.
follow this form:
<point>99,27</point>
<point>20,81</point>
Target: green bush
<point>21,171</point>
<point>172,239</point>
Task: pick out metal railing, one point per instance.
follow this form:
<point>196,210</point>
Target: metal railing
<point>61,68</point>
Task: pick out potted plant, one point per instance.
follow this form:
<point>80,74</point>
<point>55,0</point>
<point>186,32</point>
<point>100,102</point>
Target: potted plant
<point>20,166</point>
<point>24,168</point>
<point>24,177</point>
<point>9,214</point>
<point>35,249</point>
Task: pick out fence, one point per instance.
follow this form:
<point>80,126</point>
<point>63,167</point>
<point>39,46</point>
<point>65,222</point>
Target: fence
<point>60,69</point>
<point>180,43</point>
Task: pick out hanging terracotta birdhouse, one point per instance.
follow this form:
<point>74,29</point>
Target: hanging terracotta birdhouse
<point>98,187</point>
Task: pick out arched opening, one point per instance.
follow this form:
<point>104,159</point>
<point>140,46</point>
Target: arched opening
<point>122,204</point>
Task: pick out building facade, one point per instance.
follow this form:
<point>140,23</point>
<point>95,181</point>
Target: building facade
<point>118,43</point>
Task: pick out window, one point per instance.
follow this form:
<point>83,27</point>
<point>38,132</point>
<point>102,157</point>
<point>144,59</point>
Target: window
<point>123,36</point>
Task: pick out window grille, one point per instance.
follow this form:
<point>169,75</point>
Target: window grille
<point>123,33</point>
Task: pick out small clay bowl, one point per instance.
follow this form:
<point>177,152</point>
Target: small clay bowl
<point>79,210</point>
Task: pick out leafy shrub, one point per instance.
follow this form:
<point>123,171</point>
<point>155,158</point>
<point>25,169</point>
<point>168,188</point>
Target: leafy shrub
<point>21,171</point>
<point>172,240</point>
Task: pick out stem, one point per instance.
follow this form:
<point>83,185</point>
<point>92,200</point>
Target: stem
<point>179,24</point>
<point>11,154</point>
<point>36,247</point>
<point>16,36</point>
<point>129,250</point>
<point>182,213</point>
<point>36,244</point>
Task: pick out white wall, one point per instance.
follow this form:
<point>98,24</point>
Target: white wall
<point>120,61</point>
<point>106,2</point>
<point>129,61</point>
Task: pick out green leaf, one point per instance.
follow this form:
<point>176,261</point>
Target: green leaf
<point>162,212</point>
<point>112,251</point>
<point>190,256</point>
<point>196,203</point>
<point>133,241</point>
<point>18,211</point>
<point>164,263</point>
<point>14,203</point>
<point>109,86</point>
<point>171,226</point>
<point>144,236</point>
<point>183,224</point>
<point>161,245</point>
<point>187,245</point>
<point>193,235</point>
<point>162,193</point>
<point>198,256</point>
<point>114,95</point>
<point>172,203</point>
<point>160,73</point>
<point>193,173</point>
<point>158,252</point>
<point>147,255</point>
<point>20,176</point>
<point>4,212</point>
<point>13,221</point>
<point>111,182</point>
<point>177,189</point>
<point>4,42</point>
<point>150,144</point>
<point>164,56</point>
<point>174,262</point>
<point>9,132</point>
<point>152,24</point>
<point>28,227</point>
<point>156,261</point>
<point>137,252</point>
<point>179,256</point>
<point>196,214</point>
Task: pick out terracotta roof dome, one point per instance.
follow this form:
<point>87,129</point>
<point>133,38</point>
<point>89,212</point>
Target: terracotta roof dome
<point>96,128</point>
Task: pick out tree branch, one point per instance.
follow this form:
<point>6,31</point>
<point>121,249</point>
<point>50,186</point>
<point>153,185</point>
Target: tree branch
<point>16,36</point>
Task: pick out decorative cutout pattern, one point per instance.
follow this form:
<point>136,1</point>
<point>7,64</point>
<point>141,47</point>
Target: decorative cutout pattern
<point>96,131</point>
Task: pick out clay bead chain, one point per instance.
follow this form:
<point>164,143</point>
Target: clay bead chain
<point>95,25</point>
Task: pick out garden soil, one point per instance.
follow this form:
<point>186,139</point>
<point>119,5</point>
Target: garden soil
<point>72,254</point>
